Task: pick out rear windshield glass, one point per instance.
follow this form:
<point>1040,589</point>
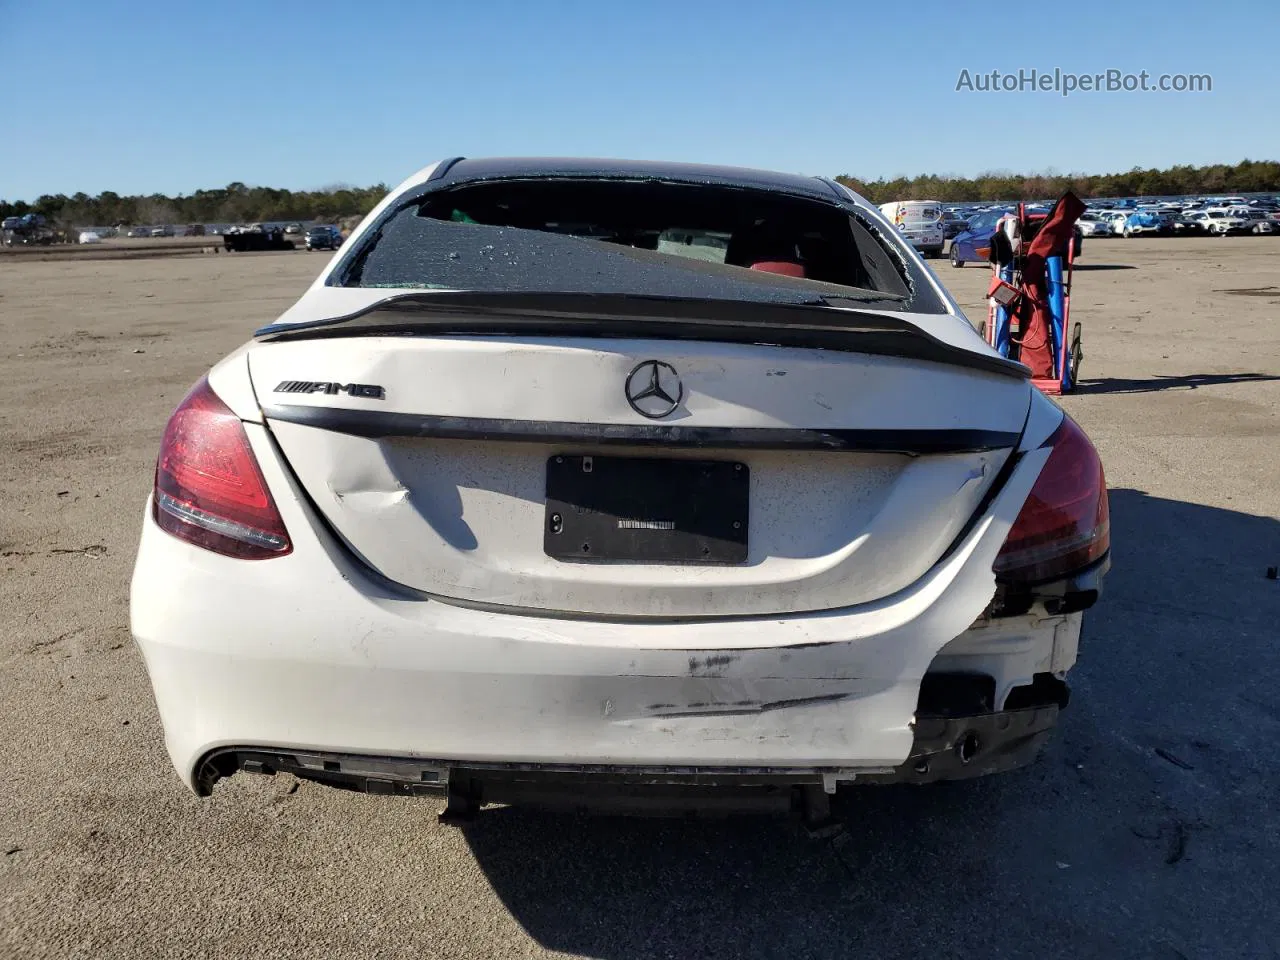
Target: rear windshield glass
<point>652,238</point>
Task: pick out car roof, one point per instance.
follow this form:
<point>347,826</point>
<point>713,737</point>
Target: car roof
<point>466,170</point>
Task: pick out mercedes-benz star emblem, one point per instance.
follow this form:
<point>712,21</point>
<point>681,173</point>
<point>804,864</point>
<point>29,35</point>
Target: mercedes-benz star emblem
<point>654,389</point>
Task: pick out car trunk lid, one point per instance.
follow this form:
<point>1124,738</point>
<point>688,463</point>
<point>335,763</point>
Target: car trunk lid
<point>443,459</point>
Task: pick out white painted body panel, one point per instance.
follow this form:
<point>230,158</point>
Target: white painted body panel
<point>1013,650</point>
<point>464,518</point>
<point>230,380</point>
<point>307,652</point>
<point>582,380</point>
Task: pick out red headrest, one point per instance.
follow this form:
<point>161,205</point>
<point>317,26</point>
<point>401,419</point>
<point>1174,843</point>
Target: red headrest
<point>788,268</point>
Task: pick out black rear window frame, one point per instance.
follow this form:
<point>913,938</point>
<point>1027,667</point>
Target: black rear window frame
<point>921,297</point>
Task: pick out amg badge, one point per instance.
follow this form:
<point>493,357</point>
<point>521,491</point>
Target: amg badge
<point>370,391</point>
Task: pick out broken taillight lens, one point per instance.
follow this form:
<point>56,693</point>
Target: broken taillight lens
<point>1064,525</point>
<point>209,489</point>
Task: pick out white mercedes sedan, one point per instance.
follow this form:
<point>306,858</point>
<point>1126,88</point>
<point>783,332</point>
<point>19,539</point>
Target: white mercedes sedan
<point>578,477</point>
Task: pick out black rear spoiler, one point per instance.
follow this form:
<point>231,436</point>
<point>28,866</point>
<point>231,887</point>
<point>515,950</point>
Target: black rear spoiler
<point>645,317</point>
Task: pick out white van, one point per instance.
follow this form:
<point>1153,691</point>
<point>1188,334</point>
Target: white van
<point>920,222</point>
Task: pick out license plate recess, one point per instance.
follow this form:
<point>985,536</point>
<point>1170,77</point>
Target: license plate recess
<point>646,510</point>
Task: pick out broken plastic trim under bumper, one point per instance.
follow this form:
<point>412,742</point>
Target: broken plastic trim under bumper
<point>946,748</point>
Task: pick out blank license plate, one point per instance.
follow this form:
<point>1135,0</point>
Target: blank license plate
<point>646,510</point>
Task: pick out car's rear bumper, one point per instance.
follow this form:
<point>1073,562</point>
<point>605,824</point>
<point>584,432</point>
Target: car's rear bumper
<point>946,748</point>
<point>310,653</point>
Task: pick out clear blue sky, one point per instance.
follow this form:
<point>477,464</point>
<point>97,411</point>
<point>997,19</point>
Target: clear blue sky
<point>140,96</point>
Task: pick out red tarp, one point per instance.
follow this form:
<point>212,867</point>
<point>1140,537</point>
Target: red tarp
<point>1033,310</point>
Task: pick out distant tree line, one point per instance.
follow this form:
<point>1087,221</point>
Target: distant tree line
<point>234,203</point>
<point>1248,176</point>
<point>238,203</point>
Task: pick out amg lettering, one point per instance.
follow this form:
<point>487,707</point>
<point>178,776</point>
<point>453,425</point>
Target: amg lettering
<point>368,391</point>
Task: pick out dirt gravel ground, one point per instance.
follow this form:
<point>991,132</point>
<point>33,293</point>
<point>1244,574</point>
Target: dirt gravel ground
<point>1150,827</point>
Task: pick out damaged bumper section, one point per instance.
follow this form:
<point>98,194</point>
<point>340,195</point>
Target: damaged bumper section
<point>946,748</point>
<point>350,682</point>
<point>956,734</point>
<point>987,705</point>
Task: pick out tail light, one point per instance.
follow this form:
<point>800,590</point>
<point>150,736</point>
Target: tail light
<point>209,489</point>
<point>1065,524</point>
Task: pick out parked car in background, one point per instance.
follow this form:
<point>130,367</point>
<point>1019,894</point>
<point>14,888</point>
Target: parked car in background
<point>89,236</point>
<point>323,237</point>
<point>163,231</point>
<point>1116,218</point>
<point>974,244</point>
<point>1191,223</point>
<point>1261,223</point>
<point>1221,223</point>
<point>953,224</point>
<point>137,232</point>
<point>1094,224</point>
<point>256,237</point>
<point>30,228</point>
<point>545,524</point>
<point>1146,222</point>
<point>919,222</point>
<point>293,228</point>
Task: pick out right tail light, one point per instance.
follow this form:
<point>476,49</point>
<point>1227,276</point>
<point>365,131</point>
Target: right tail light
<point>1064,526</point>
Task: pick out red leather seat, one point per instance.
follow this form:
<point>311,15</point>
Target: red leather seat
<point>769,248</point>
<point>788,268</point>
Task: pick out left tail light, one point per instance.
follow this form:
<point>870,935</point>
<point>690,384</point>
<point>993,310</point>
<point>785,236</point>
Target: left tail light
<point>209,488</point>
<point>1065,523</point>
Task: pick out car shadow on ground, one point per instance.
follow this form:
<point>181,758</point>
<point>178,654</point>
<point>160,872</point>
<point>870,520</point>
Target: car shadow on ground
<point>1189,381</point>
<point>1136,834</point>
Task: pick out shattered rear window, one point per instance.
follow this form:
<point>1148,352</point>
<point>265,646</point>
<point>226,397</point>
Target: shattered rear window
<point>637,237</point>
